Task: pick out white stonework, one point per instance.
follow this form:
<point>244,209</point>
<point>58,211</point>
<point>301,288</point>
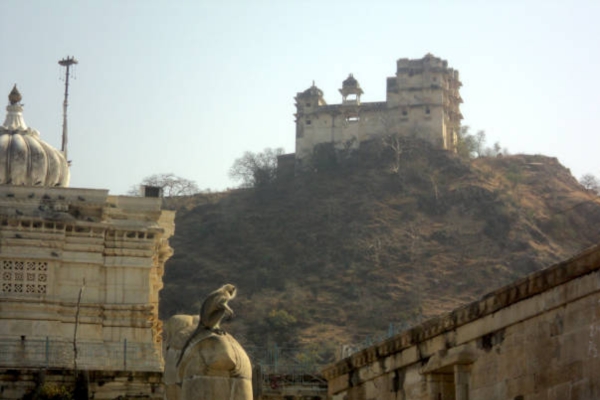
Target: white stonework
<point>54,239</point>
<point>80,273</point>
<point>25,159</point>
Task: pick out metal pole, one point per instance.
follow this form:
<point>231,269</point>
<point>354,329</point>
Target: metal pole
<point>66,62</point>
<point>125,354</point>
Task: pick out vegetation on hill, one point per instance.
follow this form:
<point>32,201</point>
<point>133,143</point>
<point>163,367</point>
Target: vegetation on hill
<point>386,235</point>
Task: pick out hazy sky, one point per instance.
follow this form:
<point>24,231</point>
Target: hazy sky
<point>188,86</point>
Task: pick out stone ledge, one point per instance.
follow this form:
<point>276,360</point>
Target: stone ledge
<point>582,264</point>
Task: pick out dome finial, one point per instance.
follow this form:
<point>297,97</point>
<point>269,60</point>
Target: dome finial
<point>25,159</point>
<point>14,97</point>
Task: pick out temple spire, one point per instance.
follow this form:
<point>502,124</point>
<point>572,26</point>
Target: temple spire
<point>14,116</point>
<point>14,97</point>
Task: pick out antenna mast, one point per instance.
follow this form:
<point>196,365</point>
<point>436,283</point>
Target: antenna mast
<point>66,62</point>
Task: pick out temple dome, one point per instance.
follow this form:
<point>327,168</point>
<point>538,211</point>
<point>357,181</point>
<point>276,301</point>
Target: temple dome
<point>350,82</point>
<point>351,88</point>
<point>312,91</point>
<point>25,159</point>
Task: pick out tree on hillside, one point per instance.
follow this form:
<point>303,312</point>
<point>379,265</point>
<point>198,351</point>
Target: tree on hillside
<point>256,169</point>
<point>470,146</point>
<point>395,144</point>
<point>171,185</point>
<point>465,145</point>
<point>590,182</point>
<point>495,150</point>
<point>479,141</point>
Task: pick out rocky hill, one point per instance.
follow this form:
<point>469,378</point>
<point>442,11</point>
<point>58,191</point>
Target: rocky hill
<point>382,237</point>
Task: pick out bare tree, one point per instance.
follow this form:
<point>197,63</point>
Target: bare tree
<point>480,140</point>
<point>395,143</point>
<point>171,185</point>
<point>590,182</point>
<point>256,169</point>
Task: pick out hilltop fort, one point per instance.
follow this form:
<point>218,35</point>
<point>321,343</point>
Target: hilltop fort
<point>422,100</point>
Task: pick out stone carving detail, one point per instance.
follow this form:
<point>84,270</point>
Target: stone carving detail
<point>215,367</point>
<point>203,362</point>
<point>28,277</point>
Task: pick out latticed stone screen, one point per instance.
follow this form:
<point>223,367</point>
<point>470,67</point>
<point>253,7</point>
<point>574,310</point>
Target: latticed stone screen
<point>26,277</point>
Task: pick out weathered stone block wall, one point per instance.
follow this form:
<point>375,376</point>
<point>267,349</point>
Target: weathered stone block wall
<point>419,121</point>
<point>340,125</point>
<point>538,338</point>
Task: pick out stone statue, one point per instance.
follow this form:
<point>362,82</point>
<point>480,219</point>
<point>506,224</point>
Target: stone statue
<point>176,331</point>
<point>211,364</point>
<point>214,309</point>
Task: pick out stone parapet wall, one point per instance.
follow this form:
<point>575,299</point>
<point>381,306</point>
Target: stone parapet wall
<point>537,338</point>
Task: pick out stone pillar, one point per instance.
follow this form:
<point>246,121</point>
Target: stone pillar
<point>461,381</point>
<point>433,387</point>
